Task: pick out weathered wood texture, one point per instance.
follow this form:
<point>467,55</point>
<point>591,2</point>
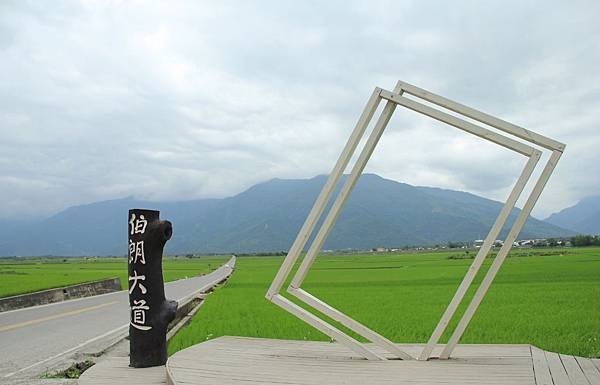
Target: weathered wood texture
<point>116,370</point>
<point>151,312</point>
<point>239,360</point>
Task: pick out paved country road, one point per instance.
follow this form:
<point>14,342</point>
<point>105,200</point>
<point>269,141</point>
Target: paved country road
<point>36,338</point>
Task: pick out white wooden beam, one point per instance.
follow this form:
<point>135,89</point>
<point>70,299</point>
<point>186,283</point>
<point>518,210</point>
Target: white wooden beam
<point>325,328</point>
<point>481,132</point>
<point>482,117</point>
<point>342,197</point>
<point>350,323</point>
<point>325,194</point>
<point>501,256</point>
<point>481,255</point>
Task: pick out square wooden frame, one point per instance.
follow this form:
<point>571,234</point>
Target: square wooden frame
<point>394,99</point>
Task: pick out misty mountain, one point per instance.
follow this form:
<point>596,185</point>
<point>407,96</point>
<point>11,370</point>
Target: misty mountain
<point>583,218</point>
<point>267,217</point>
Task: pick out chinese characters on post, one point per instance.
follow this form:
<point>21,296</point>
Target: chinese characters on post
<point>138,316</point>
<point>136,255</point>
<point>149,311</point>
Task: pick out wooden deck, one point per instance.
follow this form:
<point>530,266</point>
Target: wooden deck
<point>116,371</point>
<point>249,361</point>
<point>238,360</point>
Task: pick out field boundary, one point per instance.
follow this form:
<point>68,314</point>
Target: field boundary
<point>59,294</point>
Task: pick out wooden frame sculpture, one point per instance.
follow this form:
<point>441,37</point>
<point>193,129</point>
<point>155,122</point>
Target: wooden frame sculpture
<point>394,99</point>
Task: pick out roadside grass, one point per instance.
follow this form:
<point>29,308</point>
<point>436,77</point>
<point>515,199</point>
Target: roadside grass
<point>19,277</point>
<point>548,299</point>
<point>74,371</point>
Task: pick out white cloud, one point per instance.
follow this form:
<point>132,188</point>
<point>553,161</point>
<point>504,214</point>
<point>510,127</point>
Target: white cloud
<point>185,100</point>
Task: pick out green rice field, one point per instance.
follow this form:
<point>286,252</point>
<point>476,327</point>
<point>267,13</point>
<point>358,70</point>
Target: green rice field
<point>18,277</point>
<point>548,298</point>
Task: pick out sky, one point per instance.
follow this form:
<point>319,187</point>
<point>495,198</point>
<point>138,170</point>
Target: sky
<point>181,100</point>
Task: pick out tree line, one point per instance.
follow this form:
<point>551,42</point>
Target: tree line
<point>585,240</point>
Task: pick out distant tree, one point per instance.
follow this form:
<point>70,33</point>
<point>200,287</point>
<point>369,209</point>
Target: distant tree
<point>584,240</point>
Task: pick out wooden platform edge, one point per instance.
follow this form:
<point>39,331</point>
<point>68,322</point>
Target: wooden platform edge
<point>548,368</point>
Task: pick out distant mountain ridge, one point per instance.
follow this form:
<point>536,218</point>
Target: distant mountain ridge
<point>267,217</point>
<point>584,217</point>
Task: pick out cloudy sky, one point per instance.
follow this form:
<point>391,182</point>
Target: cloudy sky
<point>182,100</point>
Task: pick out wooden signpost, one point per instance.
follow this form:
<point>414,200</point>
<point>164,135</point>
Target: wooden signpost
<point>150,311</point>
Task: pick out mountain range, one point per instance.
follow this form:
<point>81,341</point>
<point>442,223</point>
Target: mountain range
<point>267,217</point>
<point>584,217</point>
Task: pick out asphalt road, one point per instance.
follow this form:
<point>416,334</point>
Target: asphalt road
<point>35,338</point>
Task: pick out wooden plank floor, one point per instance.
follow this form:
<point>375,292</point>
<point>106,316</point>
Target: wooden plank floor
<point>239,360</point>
<point>116,370</point>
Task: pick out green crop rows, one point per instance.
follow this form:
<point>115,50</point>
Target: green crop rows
<point>548,298</point>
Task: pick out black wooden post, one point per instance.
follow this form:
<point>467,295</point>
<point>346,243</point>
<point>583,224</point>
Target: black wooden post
<point>150,312</point>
